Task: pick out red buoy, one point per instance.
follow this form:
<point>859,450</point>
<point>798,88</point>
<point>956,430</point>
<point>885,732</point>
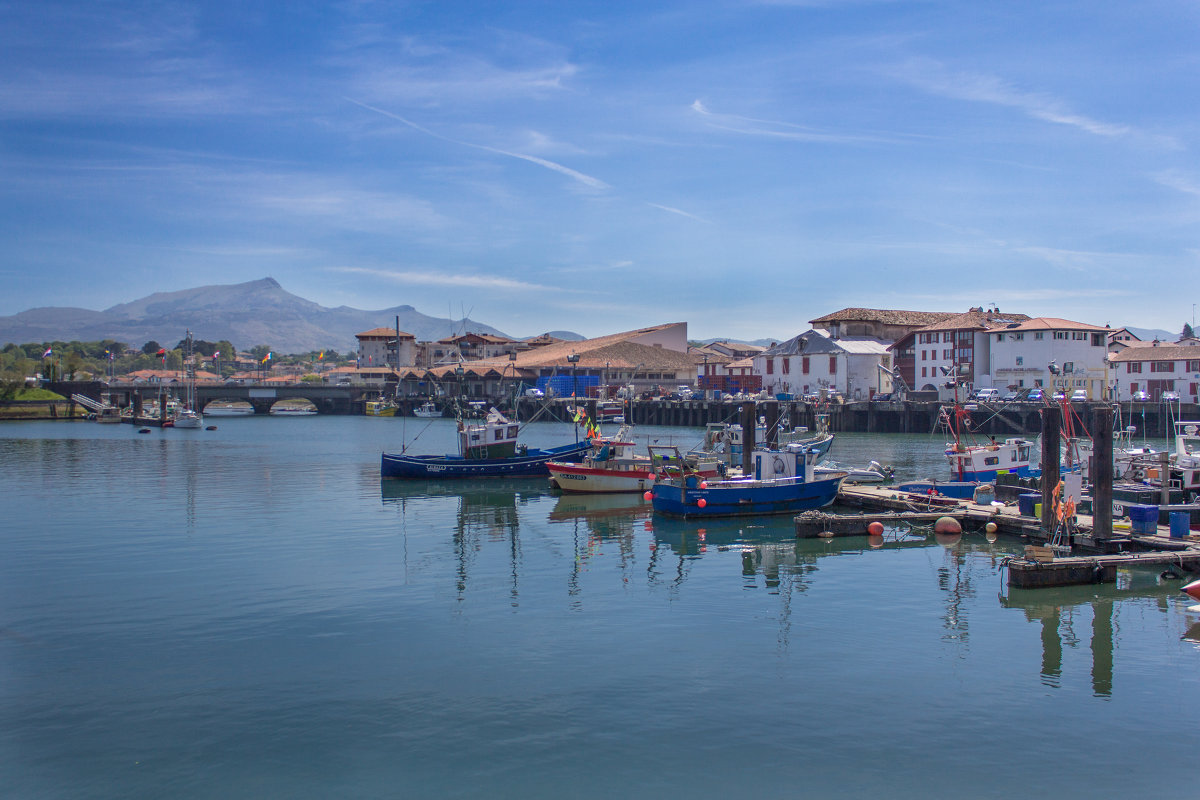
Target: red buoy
<point>702,502</point>
<point>875,528</point>
<point>648,495</point>
<point>1192,590</point>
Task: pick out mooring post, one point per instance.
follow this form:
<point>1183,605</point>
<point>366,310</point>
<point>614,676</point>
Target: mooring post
<point>1101,471</point>
<point>772,414</point>
<point>749,422</point>
<point>1051,461</point>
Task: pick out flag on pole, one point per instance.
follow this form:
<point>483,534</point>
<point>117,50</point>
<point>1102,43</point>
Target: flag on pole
<point>321,356</point>
<point>266,358</point>
<point>162,351</point>
<point>216,354</point>
<point>49,351</point>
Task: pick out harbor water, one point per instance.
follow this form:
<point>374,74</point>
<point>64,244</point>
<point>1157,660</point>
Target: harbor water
<point>251,612</point>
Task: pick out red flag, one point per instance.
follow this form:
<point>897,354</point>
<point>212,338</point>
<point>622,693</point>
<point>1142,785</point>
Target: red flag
<point>162,351</point>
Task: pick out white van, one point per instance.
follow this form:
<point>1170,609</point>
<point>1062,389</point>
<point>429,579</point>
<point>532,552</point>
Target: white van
<point>987,393</point>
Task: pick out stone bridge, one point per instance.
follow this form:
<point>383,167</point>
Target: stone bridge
<point>327,399</point>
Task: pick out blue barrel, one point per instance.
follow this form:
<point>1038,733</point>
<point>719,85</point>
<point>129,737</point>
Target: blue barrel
<point>1143,519</point>
<point>1180,522</point>
<point>1025,503</point>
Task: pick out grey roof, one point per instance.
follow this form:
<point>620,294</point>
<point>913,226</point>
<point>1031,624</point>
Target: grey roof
<point>814,343</point>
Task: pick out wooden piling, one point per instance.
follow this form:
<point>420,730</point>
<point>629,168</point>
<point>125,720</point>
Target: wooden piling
<point>1051,442</point>
<point>1101,472</point>
<point>749,425</point>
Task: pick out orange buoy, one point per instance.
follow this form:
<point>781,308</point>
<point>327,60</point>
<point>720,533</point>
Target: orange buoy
<point>875,528</point>
<point>703,484</point>
<point>702,502</point>
<point>648,496</point>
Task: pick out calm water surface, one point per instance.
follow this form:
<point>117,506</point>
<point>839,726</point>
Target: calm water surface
<point>249,612</point>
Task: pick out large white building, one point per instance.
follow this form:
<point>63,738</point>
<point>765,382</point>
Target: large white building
<point>1051,353</point>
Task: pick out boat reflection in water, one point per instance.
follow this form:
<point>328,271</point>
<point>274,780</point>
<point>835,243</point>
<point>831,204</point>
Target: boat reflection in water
<point>488,509</point>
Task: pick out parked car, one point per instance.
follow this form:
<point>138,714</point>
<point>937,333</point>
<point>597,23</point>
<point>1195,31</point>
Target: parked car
<point>1034,396</point>
<point>1141,397</point>
<point>987,393</point>
<point>533,391</point>
<point>1169,397</point>
<point>882,396</point>
<point>1011,397</point>
<point>1058,395</point>
<point>1079,396</point>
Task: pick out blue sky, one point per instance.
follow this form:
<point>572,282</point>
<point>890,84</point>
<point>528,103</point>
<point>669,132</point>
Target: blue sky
<point>741,166</point>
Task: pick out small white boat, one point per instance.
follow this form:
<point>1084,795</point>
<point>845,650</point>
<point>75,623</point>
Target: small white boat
<point>228,409</point>
<point>293,411</point>
<point>108,414</point>
<point>872,473</point>
<point>186,418</point>
<point>427,410</point>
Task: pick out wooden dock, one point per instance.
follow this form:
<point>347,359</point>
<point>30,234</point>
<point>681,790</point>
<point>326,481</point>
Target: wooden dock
<point>1032,573</point>
<point>1039,567</point>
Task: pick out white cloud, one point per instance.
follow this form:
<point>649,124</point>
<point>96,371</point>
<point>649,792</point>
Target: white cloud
<point>435,278</point>
<point>586,180</point>
<point>776,129</point>
<point>935,78</point>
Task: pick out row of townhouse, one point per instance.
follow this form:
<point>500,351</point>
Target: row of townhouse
<point>860,352</point>
<point>381,348</point>
<point>1008,351</point>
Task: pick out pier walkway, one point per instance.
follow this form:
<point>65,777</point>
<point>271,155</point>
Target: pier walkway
<point>1040,566</point>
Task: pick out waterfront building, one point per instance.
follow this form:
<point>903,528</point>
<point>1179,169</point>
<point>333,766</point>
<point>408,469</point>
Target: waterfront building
<point>813,361</point>
<point>1157,367</point>
<point>956,347</point>
<point>716,370</point>
<point>1059,354</point>
<point>649,359</point>
<point>381,347</point>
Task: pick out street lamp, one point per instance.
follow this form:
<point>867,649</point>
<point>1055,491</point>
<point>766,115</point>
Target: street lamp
<point>574,359</point>
<point>512,362</point>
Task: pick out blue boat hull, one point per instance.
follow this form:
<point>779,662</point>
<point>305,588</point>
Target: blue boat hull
<point>728,499</point>
<point>531,463</point>
<point>962,490</point>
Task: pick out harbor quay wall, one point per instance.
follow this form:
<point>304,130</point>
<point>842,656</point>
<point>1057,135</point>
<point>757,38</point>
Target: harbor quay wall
<point>898,416</point>
<point>1016,419</point>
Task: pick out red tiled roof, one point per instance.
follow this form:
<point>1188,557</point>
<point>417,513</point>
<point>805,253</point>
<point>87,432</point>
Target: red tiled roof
<point>885,316</point>
<point>382,333</point>
<point>976,320</point>
<point>1054,323</point>
<point>1164,352</point>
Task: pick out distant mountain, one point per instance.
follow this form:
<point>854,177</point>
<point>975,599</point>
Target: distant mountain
<point>566,336</point>
<point>1150,334</point>
<point>756,342</point>
<point>247,314</point>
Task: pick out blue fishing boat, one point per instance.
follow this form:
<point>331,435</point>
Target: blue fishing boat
<point>782,482</point>
<point>488,448</point>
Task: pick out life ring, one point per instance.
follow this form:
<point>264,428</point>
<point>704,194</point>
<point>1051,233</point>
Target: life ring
<point>778,465</point>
